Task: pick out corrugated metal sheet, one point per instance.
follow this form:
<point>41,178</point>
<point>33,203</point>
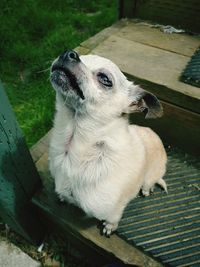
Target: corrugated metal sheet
<point>168,225</point>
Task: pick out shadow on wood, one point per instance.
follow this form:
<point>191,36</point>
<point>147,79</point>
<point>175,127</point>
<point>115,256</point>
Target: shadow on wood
<point>19,178</point>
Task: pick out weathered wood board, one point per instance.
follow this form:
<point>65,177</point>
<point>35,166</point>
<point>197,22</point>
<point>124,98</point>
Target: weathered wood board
<point>182,14</point>
<point>149,56</point>
<point>178,127</point>
<point>146,62</point>
<point>151,35</point>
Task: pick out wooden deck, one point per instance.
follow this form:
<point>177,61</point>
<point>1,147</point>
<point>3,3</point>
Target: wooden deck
<point>150,57</point>
<point>154,60</point>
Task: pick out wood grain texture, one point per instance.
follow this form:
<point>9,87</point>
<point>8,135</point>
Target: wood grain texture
<point>95,40</point>
<point>182,14</point>
<point>150,57</point>
<point>178,127</point>
<point>167,95</point>
<point>148,63</point>
<point>147,34</point>
<point>41,147</point>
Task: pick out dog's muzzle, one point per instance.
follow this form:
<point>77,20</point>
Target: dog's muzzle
<point>62,72</point>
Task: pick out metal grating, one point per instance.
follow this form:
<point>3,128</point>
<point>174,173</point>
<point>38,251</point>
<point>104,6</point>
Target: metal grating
<point>191,74</point>
<point>168,225</point>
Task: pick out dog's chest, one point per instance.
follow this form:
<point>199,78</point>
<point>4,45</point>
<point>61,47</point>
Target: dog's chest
<point>81,168</point>
<point>86,157</point>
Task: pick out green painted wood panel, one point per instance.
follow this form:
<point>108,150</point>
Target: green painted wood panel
<point>19,179</point>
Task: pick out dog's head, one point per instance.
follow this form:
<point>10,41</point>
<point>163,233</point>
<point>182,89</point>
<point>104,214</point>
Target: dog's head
<point>95,84</point>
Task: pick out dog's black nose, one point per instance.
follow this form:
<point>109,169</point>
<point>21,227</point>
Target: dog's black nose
<point>69,56</point>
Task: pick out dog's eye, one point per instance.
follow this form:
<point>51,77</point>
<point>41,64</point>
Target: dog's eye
<point>103,79</point>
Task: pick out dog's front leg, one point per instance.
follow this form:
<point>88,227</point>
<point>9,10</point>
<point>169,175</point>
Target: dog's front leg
<point>110,224</point>
<point>108,228</point>
<point>64,190</point>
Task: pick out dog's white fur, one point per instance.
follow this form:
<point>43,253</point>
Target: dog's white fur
<point>100,162</point>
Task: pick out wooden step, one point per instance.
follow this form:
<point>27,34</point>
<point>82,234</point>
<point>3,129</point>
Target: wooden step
<point>155,60</point>
<point>151,57</point>
<point>164,225</point>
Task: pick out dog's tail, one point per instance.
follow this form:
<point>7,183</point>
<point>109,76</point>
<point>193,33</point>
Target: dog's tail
<point>162,183</point>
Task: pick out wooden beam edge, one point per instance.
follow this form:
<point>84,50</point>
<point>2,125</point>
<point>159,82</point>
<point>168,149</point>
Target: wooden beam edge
<point>94,41</point>
<point>110,249</point>
<point>40,147</point>
<point>168,94</point>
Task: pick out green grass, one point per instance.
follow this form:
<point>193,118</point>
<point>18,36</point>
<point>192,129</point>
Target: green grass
<point>32,34</point>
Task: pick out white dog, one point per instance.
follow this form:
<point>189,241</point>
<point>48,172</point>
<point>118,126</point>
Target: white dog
<point>100,162</point>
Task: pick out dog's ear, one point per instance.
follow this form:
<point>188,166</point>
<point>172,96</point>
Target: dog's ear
<point>143,101</point>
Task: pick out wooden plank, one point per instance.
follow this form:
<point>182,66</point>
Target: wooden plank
<point>95,40</point>
<point>18,177</point>
<point>183,14</point>
<point>164,93</point>
<point>145,33</point>
<point>178,127</point>
<point>81,50</point>
<point>154,65</point>
<point>38,149</point>
<point>76,226</point>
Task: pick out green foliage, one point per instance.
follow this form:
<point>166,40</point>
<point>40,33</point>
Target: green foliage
<point>32,34</point>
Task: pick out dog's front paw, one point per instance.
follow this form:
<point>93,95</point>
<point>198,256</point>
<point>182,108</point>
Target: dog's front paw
<point>107,228</point>
<point>145,193</point>
<point>61,198</point>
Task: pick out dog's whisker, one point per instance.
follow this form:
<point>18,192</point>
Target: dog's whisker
<point>45,70</point>
<point>65,100</point>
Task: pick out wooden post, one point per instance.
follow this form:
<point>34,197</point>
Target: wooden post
<point>127,8</point>
<point>18,177</point>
